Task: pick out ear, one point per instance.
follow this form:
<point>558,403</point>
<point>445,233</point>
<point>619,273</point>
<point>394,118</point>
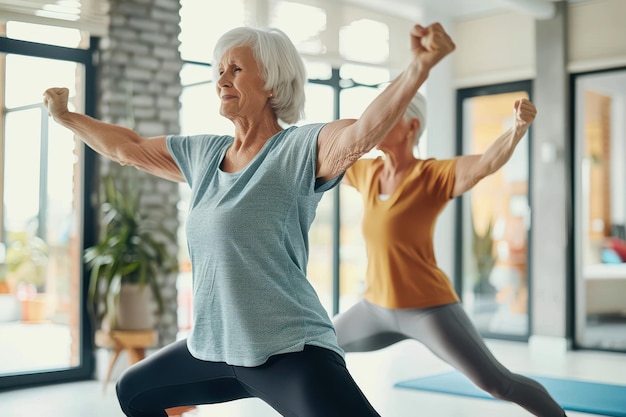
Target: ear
<point>414,127</point>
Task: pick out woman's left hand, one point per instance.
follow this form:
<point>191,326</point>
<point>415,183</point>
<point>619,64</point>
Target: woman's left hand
<point>525,112</point>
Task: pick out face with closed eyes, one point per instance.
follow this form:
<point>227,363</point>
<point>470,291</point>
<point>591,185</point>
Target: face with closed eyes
<point>240,86</point>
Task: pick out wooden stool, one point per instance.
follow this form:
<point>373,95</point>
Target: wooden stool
<point>134,342</point>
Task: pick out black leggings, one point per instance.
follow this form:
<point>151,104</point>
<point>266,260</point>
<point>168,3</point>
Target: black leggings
<point>311,383</point>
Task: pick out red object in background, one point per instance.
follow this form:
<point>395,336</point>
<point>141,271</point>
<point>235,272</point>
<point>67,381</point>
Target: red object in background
<point>619,246</point>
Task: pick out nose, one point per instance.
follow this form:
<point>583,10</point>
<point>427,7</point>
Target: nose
<point>224,80</point>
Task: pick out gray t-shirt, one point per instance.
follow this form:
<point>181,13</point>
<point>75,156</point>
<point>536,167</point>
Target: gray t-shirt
<point>247,234</point>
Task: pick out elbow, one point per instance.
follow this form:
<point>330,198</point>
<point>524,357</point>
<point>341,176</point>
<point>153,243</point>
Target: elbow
<point>117,155</point>
<point>478,174</point>
<point>488,166</point>
<point>124,159</point>
<point>124,156</point>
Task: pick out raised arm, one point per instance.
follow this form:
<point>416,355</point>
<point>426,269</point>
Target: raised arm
<point>117,143</point>
<point>470,169</point>
<point>342,142</point>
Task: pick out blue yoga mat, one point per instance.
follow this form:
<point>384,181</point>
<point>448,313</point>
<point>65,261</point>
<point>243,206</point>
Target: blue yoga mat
<point>574,395</point>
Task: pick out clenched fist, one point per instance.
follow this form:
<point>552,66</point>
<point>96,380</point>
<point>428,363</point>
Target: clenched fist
<point>55,99</point>
<point>430,44</point>
<point>525,112</point>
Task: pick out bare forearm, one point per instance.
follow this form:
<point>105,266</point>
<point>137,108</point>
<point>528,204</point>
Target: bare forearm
<point>107,139</point>
<point>501,150</point>
<point>470,169</point>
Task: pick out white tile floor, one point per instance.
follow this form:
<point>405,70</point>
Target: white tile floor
<point>376,372</point>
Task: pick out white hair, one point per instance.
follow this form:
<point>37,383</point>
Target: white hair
<point>280,65</point>
<point>417,110</point>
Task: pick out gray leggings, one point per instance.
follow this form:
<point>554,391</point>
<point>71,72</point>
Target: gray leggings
<point>448,332</point>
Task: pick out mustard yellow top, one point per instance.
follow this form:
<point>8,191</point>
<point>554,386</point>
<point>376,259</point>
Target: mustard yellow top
<point>402,271</point>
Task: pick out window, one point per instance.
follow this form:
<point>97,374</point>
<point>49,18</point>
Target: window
<point>364,40</point>
<point>51,35</point>
<point>43,210</point>
<point>47,17</point>
<point>304,33</point>
<point>200,30</point>
<point>495,217</point>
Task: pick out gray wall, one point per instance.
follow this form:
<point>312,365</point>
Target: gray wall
<point>139,87</point>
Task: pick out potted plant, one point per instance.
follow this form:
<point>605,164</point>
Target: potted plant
<point>128,258</point>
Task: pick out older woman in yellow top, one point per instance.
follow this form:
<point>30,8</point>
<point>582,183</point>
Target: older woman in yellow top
<point>407,295</point>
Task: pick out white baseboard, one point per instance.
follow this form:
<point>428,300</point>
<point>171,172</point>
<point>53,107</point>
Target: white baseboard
<point>549,345</point>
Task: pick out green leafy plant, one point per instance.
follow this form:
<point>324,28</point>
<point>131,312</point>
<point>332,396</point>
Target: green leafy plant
<point>131,249</point>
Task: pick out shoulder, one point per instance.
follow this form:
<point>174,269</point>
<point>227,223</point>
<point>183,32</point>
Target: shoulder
<point>299,139</point>
<point>197,141</point>
<point>362,169</point>
<point>437,165</point>
<point>305,131</point>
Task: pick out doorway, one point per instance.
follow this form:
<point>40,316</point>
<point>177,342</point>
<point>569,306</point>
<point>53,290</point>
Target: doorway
<point>600,209</point>
<point>494,217</point>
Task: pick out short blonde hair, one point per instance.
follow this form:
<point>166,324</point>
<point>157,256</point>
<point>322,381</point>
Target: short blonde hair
<point>280,64</point>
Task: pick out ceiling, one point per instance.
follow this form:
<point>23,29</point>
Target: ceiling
<point>458,9</point>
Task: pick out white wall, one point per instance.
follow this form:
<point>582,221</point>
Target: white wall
<point>597,35</point>
<point>501,47</point>
<point>494,49</point>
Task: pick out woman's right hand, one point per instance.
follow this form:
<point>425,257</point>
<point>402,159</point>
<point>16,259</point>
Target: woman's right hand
<point>55,99</point>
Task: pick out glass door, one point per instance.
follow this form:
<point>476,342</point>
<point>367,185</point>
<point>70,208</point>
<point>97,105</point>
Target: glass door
<point>600,209</point>
<point>42,317</point>
<point>494,218</point>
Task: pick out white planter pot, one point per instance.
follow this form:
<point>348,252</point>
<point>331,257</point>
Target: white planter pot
<point>136,309</point>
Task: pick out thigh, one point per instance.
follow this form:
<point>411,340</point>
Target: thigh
<point>172,377</point>
<point>311,383</point>
<point>450,334</point>
<point>365,327</point>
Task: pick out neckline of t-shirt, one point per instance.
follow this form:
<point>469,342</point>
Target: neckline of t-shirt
<point>262,150</point>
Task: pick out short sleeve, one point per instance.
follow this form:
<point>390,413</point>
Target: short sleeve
<point>442,175</point>
<point>194,154</point>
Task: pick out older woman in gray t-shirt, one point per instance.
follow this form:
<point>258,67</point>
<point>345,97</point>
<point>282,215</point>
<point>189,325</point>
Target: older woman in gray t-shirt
<point>259,329</point>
